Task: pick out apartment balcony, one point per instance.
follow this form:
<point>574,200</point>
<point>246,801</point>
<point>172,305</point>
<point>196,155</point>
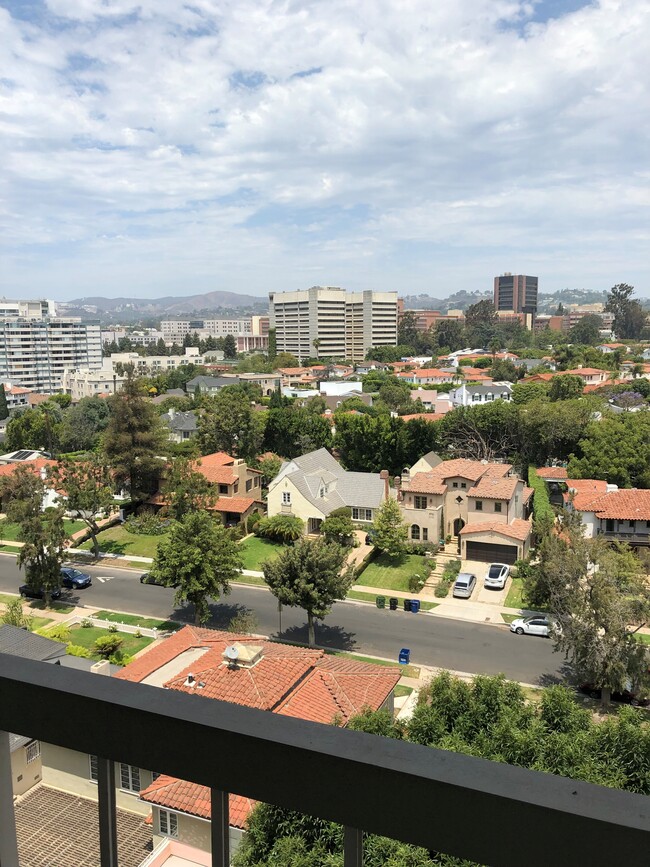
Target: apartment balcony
<point>632,537</point>
<point>443,801</point>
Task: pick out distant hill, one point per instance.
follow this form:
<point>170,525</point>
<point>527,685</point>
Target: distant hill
<point>131,309</point>
<point>547,301</point>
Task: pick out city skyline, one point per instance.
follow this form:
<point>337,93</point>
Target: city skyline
<point>150,149</point>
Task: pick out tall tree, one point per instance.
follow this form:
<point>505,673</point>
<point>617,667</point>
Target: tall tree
<point>311,574</point>
<point>395,393</point>
<point>134,439</point>
<point>480,322</point>
<point>199,559</point>
<point>83,424</point>
<point>41,532</point>
<point>587,330</point>
<point>36,428</point>
<point>390,531</point>
<point>229,346</point>
<point>4,409</point>
<point>229,424</point>
<point>186,490</point>
<point>407,332</point>
<point>567,386</point>
<point>87,489</point>
<point>629,316</point>
<point>450,334</point>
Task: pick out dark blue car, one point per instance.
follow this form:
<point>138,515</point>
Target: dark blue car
<point>75,579</point>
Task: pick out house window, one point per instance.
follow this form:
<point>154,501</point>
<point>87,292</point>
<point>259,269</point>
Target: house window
<point>223,489</point>
<point>455,484</point>
<point>129,778</point>
<point>361,514</point>
<point>463,484</point>
<point>94,773</point>
<point>32,751</point>
<point>425,534</point>
<point>420,502</point>
<point>167,823</point>
<point>479,505</point>
<point>286,498</point>
<point>415,532</point>
<point>497,507</point>
<point>631,524</point>
<point>256,482</point>
<point>609,525</point>
<point>476,398</point>
<point>489,397</point>
<point>249,484</point>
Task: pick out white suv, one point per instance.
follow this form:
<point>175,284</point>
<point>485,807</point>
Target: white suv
<point>496,576</point>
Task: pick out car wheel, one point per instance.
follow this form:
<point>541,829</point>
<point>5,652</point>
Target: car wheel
<point>519,630</point>
<point>634,702</point>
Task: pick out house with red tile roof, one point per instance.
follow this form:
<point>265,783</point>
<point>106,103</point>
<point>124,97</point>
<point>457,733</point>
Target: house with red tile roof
<point>483,505</point>
<point>277,678</point>
<point>428,376</point>
<point>616,514</point>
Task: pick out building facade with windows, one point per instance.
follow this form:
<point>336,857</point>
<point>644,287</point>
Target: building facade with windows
<point>329,322</point>
<point>91,383</point>
<point>516,293</point>
<point>250,333</point>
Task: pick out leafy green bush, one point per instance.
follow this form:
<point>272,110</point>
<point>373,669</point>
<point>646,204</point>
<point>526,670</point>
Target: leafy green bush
<point>119,658</point>
<point>237,532</point>
<point>252,521</point>
<point>421,547</point>
<point>107,645</point>
<point>281,528</point>
<point>448,577</point>
<point>543,514</point>
<point>147,523</point>
<point>86,623</point>
<point>112,627</point>
<point>77,650</point>
<point>56,633</point>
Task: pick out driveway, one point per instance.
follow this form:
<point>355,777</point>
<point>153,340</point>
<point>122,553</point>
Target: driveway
<point>57,829</point>
<point>480,594</point>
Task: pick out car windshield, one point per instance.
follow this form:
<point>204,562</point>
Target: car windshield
<point>74,573</point>
<point>494,572</point>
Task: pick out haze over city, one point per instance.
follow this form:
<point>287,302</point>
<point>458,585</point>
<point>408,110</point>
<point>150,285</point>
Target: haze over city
<point>154,148</point>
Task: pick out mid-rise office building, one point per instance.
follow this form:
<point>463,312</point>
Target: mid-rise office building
<point>251,333</point>
<point>516,292</point>
<point>35,352</point>
<point>329,322</point>
<point>39,309</point>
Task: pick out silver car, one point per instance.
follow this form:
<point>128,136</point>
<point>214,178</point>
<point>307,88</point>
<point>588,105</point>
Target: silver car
<point>464,585</point>
<point>496,576</point>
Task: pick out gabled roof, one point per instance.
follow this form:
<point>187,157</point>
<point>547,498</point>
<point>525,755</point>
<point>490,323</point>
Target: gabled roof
<point>193,799</point>
<point>518,529</point>
<point>585,371</point>
<point>425,483</point>
<point>20,642</point>
<point>466,469</point>
<point>35,466</point>
<point>552,473</point>
<point>216,468</point>
<point>236,505</point>
<point>180,421</point>
<point>492,487</point>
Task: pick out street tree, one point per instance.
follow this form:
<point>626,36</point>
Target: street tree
<point>587,330</point>
<point>229,424</point>
<point>566,386</point>
<point>42,532</point>
<point>87,491</point>
<point>390,533</point>
<point>229,346</point>
<point>134,439</point>
<point>310,574</point>
<point>629,316</point>
<point>186,490</point>
<point>198,559</point>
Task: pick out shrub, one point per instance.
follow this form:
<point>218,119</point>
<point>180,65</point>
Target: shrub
<point>147,523</point>
<point>15,616</point>
<point>107,645</point>
<point>56,633</point>
<point>119,658</point>
<point>416,583</point>
<point>281,528</point>
<point>421,547</point>
<point>113,628</point>
<point>442,589</point>
<point>338,527</point>
<point>543,514</point>
<point>86,623</point>
<point>137,634</point>
<point>252,521</point>
<point>77,650</point>
<point>237,532</point>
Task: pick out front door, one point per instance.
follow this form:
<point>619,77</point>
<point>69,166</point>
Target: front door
<point>313,526</point>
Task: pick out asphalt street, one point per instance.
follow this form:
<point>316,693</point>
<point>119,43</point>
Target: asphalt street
<point>436,641</point>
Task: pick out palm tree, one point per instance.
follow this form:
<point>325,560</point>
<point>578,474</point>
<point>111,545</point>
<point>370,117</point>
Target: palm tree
<point>316,344</point>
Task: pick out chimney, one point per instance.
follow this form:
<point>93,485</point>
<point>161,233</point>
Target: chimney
<point>172,412</point>
<point>397,481</point>
<point>103,667</point>
<point>190,681</point>
<point>385,476</point>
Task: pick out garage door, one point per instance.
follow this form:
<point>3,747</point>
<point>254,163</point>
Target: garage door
<point>488,553</point>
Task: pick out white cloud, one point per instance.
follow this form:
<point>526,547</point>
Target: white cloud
<point>250,144</point>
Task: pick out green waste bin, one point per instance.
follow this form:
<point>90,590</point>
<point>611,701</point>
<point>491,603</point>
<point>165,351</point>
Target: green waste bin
<point>381,602</point>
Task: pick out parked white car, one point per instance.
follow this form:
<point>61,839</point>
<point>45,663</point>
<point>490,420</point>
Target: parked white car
<point>538,625</point>
<point>496,576</point>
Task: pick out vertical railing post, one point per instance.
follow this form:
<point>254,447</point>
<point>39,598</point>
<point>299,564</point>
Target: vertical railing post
<point>352,847</point>
<point>8,842</point>
<point>107,812</point>
<point>220,828</point>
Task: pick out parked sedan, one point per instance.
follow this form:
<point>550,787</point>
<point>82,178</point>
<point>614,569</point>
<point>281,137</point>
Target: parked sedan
<point>538,625</point>
<point>148,578</point>
<point>496,576</point>
<point>75,579</point>
<point>36,593</point>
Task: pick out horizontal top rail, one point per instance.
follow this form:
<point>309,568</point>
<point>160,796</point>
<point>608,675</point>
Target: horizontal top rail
<point>441,800</point>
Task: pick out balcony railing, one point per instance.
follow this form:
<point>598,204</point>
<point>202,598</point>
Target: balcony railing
<point>443,801</point>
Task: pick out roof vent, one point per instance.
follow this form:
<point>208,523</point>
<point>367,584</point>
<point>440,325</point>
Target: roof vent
<point>190,680</point>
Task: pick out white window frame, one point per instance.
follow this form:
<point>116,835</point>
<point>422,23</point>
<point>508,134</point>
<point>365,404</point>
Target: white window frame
<point>32,752</point>
<point>286,498</point>
<point>130,778</point>
<point>361,514</point>
<point>167,823</point>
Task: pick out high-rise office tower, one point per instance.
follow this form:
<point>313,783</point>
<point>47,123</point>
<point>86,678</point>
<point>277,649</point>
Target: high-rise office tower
<point>516,292</point>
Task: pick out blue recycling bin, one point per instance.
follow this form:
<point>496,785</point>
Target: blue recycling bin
<point>404,656</point>
<point>415,605</point>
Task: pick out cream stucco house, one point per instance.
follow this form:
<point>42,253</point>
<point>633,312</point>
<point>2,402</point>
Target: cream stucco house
<point>484,506</point>
<point>315,484</point>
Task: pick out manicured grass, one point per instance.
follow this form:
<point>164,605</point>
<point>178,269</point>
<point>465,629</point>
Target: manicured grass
<point>643,637</point>
<point>514,598</point>
<point>40,622</point>
<point>6,598</point>
<point>393,573</point>
<point>117,540</point>
<point>508,618</point>
<point>406,670</point>
<point>361,596</point>
<point>250,579</point>
<point>400,691</point>
<point>86,637</point>
<point>10,531</point>
<point>38,604</point>
<point>135,620</point>
<point>9,549</point>
<point>255,550</point>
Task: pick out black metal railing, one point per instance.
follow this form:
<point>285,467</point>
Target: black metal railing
<point>443,801</point>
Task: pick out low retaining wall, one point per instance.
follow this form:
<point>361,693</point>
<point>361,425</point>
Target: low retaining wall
<point>145,631</point>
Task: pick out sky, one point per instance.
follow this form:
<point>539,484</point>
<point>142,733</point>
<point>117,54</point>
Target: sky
<point>154,147</point>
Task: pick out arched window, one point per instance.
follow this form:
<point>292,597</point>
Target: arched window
<point>415,531</point>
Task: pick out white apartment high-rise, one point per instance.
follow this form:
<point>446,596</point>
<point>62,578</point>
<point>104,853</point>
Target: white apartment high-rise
<point>343,324</point>
<point>35,348</point>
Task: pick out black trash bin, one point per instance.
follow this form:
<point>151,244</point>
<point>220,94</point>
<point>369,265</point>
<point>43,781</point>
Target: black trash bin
<point>392,603</point>
<point>381,602</point>
<point>407,605</point>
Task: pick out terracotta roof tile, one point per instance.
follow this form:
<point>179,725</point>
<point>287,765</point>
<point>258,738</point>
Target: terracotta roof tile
<point>466,469</point>
<point>552,473</point>
<point>35,466</point>
<point>493,488</point>
<point>518,529</point>
<point>427,416</point>
<point>425,483</point>
<point>191,798</point>
<point>238,505</point>
<point>584,371</point>
<point>583,492</point>
<point>629,504</point>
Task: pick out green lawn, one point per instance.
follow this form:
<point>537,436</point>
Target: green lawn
<point>9,549</point>
<point>643,637</point>
<point>117,540</point>
<point>361,596</point>
<point>86,637</point>
<point>40,622</point>
<point>38,604</point>
<point>135,620</point>
<point>250,579</point>
<point>406,670</point>
<point>508,618</point>
<point>393,573</point>
<point>514,597</point>
<point>10,531</point>
<point>400,691</point>
<point>255,550</point>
